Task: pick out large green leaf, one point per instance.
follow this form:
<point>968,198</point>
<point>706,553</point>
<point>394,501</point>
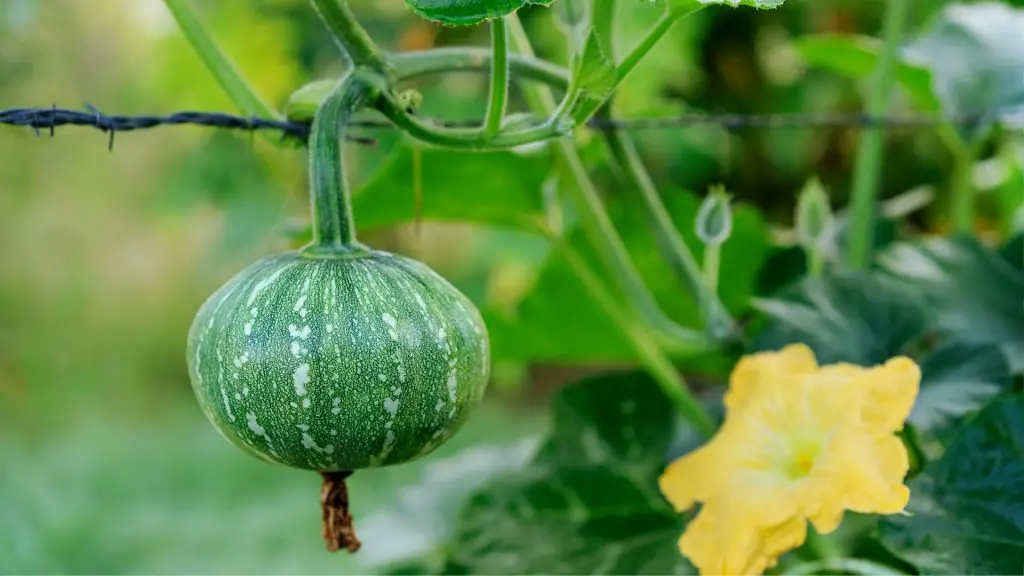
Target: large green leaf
<point>421,516</point>
<point>499,188</point>
<point>1013,252</point>
<point>958,379</point>
<point>589,503</point>
<point>858,318</point>
<point>468,12</point>
<point>857,57</point>
<point>971,293</point>
<point>967,509</point>
<point>973,52</point>
<point>559,321</point>
<point>865,319</point>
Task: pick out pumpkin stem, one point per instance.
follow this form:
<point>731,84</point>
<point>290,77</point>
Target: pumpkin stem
<point>338,529</point>
<point>333,226</point>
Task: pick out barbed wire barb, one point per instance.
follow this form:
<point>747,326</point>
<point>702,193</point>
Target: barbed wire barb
<point>54,117</point>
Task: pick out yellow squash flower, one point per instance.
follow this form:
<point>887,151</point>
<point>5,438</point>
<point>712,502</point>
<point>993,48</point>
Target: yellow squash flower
<point>800,442</point>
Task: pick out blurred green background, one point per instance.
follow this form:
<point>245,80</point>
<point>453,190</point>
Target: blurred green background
<point>106,464</point>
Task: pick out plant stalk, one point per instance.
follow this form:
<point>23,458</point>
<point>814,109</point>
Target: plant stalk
<point>350,35</point>
<point>223,69</point>
<point>868,163</point>
<point>411,65</point>
<point>963,187</point>
<point>673,248</point>
<point>497,101</point>
<point>651,357</point>
<point>334,231</point>
<point>712,268</point>
<point>644,47</point>
<point>598,227</point>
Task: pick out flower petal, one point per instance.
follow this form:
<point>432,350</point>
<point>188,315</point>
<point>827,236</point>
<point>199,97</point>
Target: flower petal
<point>725,538</point>
<point>891,390</point>
<point>752,371</point>
<point>693,477</point>
<point>877,486</point>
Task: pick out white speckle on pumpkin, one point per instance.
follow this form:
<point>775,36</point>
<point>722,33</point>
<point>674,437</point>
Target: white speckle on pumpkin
<point>306,402</point>
<point>263,284</point>
<point>301,378</point>
<point>227,406</point>
<point>336,406</point>
<point>295,332</point>
<point>391,405</point>
<point>259,431</point>
<point>330,328</point>
<point>390,320</point>
<point>300,302</point>
<point>383,377</point>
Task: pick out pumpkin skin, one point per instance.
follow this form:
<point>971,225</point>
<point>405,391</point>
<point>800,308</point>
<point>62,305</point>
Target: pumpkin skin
<point>338,364</point>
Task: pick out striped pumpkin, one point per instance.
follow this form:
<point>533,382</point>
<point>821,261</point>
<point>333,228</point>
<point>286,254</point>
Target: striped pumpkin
<point>338,364</point>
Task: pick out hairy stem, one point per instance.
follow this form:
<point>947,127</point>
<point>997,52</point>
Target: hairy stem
<point>497,100</point>
<point>868,164</point>
<point>670,241</point>
<point>334,230</point>
<point>350,35</point>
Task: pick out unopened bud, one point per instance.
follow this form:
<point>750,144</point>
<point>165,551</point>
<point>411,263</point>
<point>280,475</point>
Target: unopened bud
<point>813,216</point>
<point>714,219</point>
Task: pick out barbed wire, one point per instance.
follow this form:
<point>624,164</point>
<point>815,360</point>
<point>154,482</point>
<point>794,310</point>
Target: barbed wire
<point>52,118</point>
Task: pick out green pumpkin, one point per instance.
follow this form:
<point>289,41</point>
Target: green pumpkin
<point>338,364</point>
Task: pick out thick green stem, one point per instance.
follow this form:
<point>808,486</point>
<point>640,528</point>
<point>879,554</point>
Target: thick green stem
<point>497,100</point>
<point>673,248</point>
<point>350,35</point>
<point>647,350</point>
<point>598,227</point>
<point>411,65</point>
<point>868,164</point>
<point>334,230</point>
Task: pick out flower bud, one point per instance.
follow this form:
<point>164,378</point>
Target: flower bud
<point>714,219</point>
<point>813,216</point>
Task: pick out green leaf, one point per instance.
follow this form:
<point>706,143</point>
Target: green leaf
<point>970,292</point>
<point>1013,252</point>
<point>500,188</point>
<point>973,52</point>
<point>593,78</point>
<point>422,515</point>
<point>857,57</point>
<point>589,502</point>
<point>844,317</point>
<point>967,509</point>
<point>468,12</point>
<point>958,379</point>
<point>559,322</point>
<point>866,319</point>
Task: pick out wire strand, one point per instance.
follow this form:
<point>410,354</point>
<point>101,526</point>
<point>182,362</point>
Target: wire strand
<point>52,118</point>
